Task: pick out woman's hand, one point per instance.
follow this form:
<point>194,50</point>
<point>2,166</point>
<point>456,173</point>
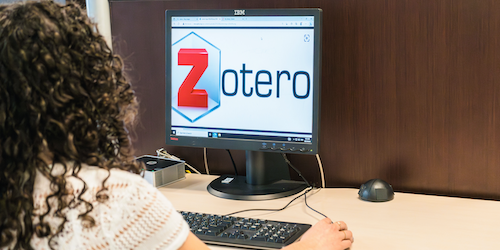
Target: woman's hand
<point>325,235</point>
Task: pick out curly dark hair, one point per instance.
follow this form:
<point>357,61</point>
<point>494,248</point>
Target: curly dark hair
<point>63,93</point>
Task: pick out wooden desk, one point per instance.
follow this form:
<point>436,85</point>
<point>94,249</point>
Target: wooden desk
<point>410,221</point>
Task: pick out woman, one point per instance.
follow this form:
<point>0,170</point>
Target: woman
<point>68,179</point>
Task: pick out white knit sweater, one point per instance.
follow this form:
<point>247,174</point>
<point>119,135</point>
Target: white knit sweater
<point>136,215</point>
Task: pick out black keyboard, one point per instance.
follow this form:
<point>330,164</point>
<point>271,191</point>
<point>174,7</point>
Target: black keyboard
<point>243,232</point>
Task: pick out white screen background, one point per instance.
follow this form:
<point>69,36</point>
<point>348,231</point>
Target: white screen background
<point>259,49</point>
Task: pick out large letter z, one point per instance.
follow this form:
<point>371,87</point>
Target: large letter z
<point>188,96</point>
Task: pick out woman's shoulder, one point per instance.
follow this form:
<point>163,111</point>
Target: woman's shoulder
<point>92,178</point>
<point>115,179</point>
<point>94,174</point>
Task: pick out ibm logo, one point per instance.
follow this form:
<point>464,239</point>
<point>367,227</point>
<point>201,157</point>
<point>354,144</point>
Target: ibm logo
<point>239,12</point>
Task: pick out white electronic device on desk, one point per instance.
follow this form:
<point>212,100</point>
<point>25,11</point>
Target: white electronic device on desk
<point>162,171</point>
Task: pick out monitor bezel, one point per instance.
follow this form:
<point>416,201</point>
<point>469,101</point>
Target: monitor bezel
<point>250,145</point>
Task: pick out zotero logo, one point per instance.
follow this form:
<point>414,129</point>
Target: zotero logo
<point>195,77</point>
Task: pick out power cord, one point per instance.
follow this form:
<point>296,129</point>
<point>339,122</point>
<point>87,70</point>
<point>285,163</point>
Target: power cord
<point>322,174</point>
<point>234,164</point>
<point>205,160</point>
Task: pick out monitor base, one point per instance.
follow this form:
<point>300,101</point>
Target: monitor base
<point>237,188</point>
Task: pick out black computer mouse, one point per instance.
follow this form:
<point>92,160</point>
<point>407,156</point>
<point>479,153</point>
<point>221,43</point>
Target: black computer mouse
<point>376,190</point>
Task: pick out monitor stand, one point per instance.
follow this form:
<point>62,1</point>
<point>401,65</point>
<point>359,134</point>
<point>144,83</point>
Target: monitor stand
<point>267,177</point>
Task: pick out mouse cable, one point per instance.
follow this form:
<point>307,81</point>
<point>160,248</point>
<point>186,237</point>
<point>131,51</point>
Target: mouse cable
<point>295,169</point>
<point>309,188</point>
<point>303,178</point>
<point>270,209</point>
<point>305,201</point>
<point>283,208</point>
<point>234,164</point>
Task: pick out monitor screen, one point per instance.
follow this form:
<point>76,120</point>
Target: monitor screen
<point>243,79</point>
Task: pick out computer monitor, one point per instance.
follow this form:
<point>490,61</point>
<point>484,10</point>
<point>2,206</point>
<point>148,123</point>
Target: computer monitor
<point>246,80</point>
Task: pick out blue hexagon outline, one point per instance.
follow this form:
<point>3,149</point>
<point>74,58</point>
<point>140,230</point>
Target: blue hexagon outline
<point>218,104</point>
